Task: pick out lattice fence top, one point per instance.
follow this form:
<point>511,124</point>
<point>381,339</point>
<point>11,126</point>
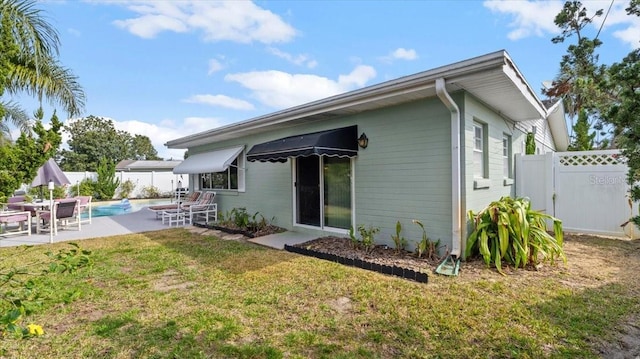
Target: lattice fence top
<point>596,159</point>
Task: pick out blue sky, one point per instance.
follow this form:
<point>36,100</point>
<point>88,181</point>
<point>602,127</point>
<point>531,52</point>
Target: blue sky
<point>167,69</point>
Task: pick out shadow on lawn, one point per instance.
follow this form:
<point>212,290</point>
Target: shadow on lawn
<point>591,319</point>
<point>235,257</point>
<point>171,339</point>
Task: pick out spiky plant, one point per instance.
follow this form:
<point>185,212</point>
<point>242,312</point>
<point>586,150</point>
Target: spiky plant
<point>510,230</point>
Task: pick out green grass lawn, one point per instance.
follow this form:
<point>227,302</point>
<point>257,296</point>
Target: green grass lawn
<point>173,294</point>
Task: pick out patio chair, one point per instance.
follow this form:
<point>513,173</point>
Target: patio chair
<point>65,214</point>
<point>84,206</point>
<point>15,203</point>
<point>206,208</point>
<point>9,218</point>
<point>160,209</point>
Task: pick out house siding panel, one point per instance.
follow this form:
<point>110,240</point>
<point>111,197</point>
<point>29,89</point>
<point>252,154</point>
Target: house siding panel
<point>477,199</point>
<point>405,172</point>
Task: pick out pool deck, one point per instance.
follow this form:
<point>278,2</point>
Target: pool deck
<point>143,220</point>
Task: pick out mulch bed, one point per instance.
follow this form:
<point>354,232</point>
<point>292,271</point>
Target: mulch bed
<point>381,258</point>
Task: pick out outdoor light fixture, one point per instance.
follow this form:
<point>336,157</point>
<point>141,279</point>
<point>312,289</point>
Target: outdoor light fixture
<point>363,140</point>
<point>51,185</point>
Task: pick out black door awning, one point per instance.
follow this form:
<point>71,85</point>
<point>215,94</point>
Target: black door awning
<point>340,142</point>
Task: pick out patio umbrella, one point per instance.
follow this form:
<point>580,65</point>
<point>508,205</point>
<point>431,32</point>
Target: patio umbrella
<point>50,171</point>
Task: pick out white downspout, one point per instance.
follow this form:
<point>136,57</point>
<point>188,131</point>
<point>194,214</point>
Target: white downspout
<point>456,228</point>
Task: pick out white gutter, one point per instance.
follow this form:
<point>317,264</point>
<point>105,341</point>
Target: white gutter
<point>456,227</point>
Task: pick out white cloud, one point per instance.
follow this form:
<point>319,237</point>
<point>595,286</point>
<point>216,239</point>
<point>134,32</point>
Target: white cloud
<point>357,78</point>
<point>404,54</point>
<point>630,35</point>
<point>168,130</point>
<point>214,66</point>
<point>300,60</point>
<point>237,21</point>
<point>74,32</point>
<point>400,54</point>
<point>279,89</point>
<point>535,18</point>
<point>532,18</point>
<point>220,100</point>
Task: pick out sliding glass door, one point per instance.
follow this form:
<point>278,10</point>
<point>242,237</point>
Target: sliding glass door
<point>323,191</point>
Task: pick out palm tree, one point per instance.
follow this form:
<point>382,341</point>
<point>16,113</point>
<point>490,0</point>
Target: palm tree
<point>17,116</point>
<point>28,51</point>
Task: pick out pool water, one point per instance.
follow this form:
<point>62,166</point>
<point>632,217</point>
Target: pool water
<point>106,209</point>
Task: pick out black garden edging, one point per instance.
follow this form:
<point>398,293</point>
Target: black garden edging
<point>359,263</point>
<point>225,229</point>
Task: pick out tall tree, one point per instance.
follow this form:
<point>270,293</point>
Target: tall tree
<point>28,52</point>
<point>580,73</point>
<point>143,149</point>
<point>93,138</point>
<point>624,114</point>
<point>583,139</point>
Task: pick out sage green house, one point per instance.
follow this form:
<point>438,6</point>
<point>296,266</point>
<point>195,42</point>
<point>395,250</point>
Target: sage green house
<point>427,147</point>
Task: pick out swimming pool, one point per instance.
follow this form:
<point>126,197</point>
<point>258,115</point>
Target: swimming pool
<point>115,208</point>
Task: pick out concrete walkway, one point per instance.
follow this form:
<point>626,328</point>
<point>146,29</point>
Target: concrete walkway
<point>143,220</point>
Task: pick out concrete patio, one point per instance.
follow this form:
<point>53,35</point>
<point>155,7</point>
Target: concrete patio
<point>143,220</point>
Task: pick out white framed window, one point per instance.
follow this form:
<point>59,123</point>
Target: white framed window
<point>230,179</point>
<point>507,171</point>
<point>479,150</point>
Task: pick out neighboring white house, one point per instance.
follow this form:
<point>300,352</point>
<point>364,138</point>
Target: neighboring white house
<point>428,146</point>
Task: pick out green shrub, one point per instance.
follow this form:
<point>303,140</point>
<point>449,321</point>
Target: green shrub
<point>126,188</point>
<point>150,192</point>
<point>367,237</point>
<point>530,144</point>
<point>510,230</point>
<point>43,192</point>
<point>239,218</point>
<point>106,183</point>
<point>86,188</point>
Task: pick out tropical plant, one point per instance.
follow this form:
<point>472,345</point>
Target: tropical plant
<point>240,217</point>
<point>510,230</point>
<point>399,241</point>
<point>28,64</point>
<point>425,246</point>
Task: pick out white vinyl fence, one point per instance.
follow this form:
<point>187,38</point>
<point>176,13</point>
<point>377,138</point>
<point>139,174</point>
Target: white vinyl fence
<point>587,190</point>
<point>164,182</point>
